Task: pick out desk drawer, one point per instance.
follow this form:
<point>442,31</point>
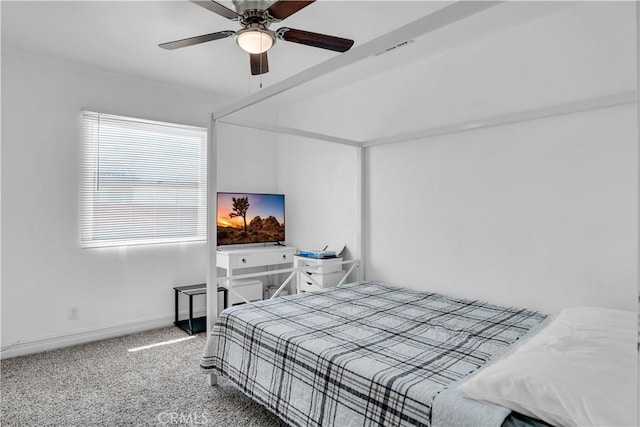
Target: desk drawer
<point>258,259</point>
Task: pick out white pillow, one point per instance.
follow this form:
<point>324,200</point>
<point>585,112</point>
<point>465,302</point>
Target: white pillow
<point>580,370</point>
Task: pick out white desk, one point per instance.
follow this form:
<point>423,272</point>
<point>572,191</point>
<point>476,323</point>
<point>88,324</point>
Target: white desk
<point>234,259</point>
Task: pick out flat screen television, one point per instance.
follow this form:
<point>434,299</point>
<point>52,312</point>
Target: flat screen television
<point>250,218</point>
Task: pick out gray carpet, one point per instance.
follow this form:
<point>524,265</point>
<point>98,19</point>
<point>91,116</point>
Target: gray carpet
<point>101,383</point>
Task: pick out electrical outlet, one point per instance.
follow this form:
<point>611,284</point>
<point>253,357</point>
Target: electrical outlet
<point>74,313</point>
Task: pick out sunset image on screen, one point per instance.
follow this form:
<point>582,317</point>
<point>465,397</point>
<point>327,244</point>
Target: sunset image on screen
<point>250,218</point>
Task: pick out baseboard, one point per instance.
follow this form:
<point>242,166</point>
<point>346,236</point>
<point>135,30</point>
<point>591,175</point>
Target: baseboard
<point>37,345</point>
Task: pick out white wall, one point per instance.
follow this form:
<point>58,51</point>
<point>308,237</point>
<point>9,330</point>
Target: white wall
<point>541,214</point>
<point>320,181</point>
<point>44,271</point>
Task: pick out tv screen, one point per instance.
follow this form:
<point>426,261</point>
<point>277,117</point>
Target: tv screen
<point>250,218</point>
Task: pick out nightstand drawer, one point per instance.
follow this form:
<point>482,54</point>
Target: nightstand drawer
<point>324,281</point>
<point>320,266</point>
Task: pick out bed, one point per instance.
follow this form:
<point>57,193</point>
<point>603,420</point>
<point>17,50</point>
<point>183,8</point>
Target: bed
<point>361,354</point>
<point>371,353</point>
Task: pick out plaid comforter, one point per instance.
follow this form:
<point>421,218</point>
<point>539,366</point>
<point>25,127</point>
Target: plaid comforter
<point>361,354</point>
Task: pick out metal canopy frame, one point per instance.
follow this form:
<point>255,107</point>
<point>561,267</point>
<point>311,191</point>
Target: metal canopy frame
<point>427,24</point>
<point>438,19</point>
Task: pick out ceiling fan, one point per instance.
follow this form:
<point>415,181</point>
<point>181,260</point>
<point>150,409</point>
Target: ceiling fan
<point>255,37</point>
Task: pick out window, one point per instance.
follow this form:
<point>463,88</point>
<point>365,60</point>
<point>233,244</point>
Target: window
<point>143,182</point>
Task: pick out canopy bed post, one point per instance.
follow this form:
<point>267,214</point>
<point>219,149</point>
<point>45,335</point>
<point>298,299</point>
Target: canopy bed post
<point>638,129</point>
<point>360,188</point>
<point>212,243</point>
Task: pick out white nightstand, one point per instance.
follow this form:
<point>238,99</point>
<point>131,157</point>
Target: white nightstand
<point>326,272</point>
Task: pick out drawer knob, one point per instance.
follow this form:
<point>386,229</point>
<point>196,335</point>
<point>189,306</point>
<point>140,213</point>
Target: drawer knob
<point>284,256</point>
<point>244,260</point>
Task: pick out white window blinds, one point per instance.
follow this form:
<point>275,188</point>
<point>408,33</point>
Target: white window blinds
<point>143,182</point>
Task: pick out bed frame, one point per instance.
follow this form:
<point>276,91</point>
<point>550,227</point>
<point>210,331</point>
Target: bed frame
<point>434,21</point>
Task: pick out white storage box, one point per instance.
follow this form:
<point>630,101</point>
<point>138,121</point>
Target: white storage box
<point>251,289</point>
<point>319,266</point>
<point>270,290</point>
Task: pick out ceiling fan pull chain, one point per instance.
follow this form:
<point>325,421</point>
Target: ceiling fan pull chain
<point>261,56</point>
<point>260,62</point>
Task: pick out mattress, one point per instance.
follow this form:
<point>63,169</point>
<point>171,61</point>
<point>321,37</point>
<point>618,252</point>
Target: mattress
<point>364,353</point>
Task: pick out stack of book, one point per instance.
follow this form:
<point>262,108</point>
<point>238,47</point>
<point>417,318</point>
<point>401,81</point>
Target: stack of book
<point>323,254</point>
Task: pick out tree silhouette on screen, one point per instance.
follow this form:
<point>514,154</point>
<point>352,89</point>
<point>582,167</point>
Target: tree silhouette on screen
<point>240,208</point>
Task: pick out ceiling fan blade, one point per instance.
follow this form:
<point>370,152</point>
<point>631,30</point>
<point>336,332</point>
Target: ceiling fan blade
<point>196,40</point>
<point>308,38</point>
<point>218,8</point>
<point>285,8</point>
<point>259,63</point>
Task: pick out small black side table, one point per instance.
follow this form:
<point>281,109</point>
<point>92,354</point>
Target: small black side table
<point>199,324</point>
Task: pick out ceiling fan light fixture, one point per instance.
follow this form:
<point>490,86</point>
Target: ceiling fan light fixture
<point>255,40</point>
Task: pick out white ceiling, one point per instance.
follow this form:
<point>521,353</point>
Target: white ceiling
<point>123,37</point>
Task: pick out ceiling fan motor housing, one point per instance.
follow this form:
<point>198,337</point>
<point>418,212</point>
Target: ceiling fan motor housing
<point>254,17</point>
<point>243,5</point>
